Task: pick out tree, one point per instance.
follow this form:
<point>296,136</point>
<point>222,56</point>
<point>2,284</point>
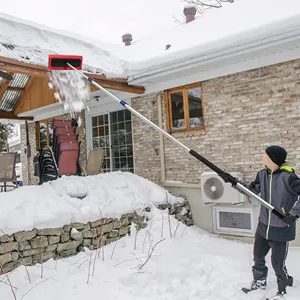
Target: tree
<point>203,5</point>
<point>6,131</point>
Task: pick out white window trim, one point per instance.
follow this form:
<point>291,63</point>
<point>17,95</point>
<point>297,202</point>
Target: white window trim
<point>232,231</point>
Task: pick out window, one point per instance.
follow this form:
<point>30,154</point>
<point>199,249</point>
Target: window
<point>44,133</point>
<point>234,221</point>
<point>113,132</point>
<point>185,108</point>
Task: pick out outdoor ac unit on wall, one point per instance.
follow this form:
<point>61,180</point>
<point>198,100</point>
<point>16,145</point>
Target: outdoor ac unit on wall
<point>214,190</point>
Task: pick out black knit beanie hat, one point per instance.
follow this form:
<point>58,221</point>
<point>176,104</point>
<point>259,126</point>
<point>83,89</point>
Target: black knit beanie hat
<point>277,154</point>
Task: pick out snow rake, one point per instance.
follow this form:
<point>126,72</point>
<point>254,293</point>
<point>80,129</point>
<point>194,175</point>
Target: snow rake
<point>73,62</point>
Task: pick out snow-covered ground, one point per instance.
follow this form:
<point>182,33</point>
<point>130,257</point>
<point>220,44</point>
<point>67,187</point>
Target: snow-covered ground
<point>192,265</point>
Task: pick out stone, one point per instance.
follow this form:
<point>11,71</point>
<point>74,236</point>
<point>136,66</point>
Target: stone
<point>24,246</point>
<point>6,238</point>
<point>106,228</point>
<point>78,226</point>
<point>162,206</point>
<point>8,267</point>
<point>87,242</point>
<point>25,235</point>
<point>184,211</point>
<point>143,225</point>
<point>8,247</point>
<point>96,223</point>
<point>53,239</point>
<point>178,209</point>
<point>67,228</point>
<point>49,231</point>
<point>116,224</point>
<point>100,241</point>
<point>113,233</point>
<point>189,222</point>
<point>123,230</point>
<point>172,211</point>
<point>148,209</point>
<point>87,227</point>
<point>26,261</point>
<point>42,257</point>
<point>111,240</point>
<point>51,248</point>
<point>76,235</point>
<point>72,245</point>
<point>32,252</point>
<point>178,216</point>
<point>65,236</point>
<point>89,234</point>
<point>68,253</point>
<point>39,242</point>
<point>5,258</point>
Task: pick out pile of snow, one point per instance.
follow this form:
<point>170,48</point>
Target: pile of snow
<point>59,203</point>
<point>192,265</point>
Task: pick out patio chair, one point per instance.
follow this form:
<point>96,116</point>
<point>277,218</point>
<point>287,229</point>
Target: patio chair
<point>8,170</point>
<point>68,158</point>
<point>95,161</point>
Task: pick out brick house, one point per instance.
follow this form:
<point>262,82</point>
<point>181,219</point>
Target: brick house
<point>227,93</point>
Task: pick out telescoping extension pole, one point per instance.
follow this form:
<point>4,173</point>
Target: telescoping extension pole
<point>63,63</point>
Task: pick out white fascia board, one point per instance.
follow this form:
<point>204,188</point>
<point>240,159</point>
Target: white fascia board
<point>245,65</point>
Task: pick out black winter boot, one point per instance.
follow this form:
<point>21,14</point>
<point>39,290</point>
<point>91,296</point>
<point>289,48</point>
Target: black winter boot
<point>283,283</point>
<point>259,280</point>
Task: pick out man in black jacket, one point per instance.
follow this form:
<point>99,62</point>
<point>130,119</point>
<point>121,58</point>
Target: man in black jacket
<point>279,185</point>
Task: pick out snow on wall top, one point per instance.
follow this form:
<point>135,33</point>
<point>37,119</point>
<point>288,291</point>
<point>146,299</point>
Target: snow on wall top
<point>236,24</point>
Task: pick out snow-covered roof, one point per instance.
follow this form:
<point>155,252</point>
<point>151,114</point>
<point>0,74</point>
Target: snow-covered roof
<point>241,24</point>
<point>31,43</point>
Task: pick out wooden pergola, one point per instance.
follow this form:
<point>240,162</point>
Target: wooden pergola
<point>36,92</point>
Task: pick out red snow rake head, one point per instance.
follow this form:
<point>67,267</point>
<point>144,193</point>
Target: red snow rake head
<point>60,62</point>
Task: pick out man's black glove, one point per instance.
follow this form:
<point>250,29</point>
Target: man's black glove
<point>290,219</point>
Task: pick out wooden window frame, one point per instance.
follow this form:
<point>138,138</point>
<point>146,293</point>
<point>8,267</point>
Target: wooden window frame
<point>184,90</point>
<point>38,132</point>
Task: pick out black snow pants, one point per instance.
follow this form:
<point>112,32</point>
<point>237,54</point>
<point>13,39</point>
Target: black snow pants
<point>278,257</point>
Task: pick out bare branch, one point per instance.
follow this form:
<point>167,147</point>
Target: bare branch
<point>8,279</point>
<point>141,266</point>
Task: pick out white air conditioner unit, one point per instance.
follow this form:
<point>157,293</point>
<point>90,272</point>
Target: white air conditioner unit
<point>214,190</point>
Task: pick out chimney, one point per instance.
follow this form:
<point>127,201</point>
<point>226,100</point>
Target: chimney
<point>190,13</point>
<point>127,38</point>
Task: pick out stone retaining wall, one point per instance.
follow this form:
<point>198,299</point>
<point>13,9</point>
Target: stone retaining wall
<point>39,245</point>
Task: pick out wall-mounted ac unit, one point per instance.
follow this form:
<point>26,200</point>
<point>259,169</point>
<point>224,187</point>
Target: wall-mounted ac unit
<point>215,191</point>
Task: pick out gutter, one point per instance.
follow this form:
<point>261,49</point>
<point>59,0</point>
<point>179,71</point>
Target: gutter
<point>161,141</point>
<point>214,56</point>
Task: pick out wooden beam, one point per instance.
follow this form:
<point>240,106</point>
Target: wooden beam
<point>119,87</point>
<point>119,84</point>
<point>10,116</point>
<point>27,89</point>
<point>3,87</point>
<point>14,66</point>
<point>15,89</point>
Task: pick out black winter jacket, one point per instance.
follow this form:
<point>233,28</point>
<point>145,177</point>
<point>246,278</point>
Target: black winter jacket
<point>281,189</point>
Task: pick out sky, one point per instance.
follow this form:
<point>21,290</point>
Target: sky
<point>100,19</point>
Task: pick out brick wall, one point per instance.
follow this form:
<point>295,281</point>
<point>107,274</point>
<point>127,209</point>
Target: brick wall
<point>244,113</point>
<point>146,140</point>
<point>27,172</point>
